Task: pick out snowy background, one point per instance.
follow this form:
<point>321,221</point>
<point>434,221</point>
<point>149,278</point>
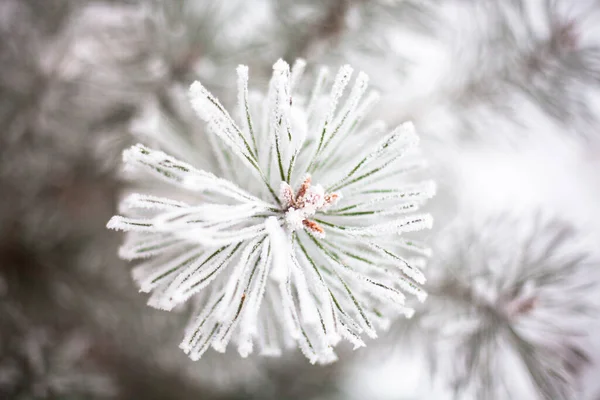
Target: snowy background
<point>504,93</point>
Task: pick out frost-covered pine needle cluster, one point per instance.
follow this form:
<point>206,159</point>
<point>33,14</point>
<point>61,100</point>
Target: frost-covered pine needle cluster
<point>509,299</point>
<point>295,233</point>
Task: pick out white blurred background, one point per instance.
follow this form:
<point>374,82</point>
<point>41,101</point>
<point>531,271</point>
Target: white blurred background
<point>504,93</point>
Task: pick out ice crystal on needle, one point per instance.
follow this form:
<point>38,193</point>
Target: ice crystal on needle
<point>264,243</point>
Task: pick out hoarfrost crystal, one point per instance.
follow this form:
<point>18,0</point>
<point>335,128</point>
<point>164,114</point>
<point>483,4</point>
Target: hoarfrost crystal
<point>267,247</point>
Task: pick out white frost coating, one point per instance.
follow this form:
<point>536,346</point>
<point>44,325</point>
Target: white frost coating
<point>308,310</point>
<point>266,247</point>
<point>297,72</point>
<point>280,245</point>
<point>148,245</point>
<point>137,200</point>
<point>399,226</point>
<point>249,321</point>
<point>341,81</point>
<point>344,117</point>
<point>243,104</point>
